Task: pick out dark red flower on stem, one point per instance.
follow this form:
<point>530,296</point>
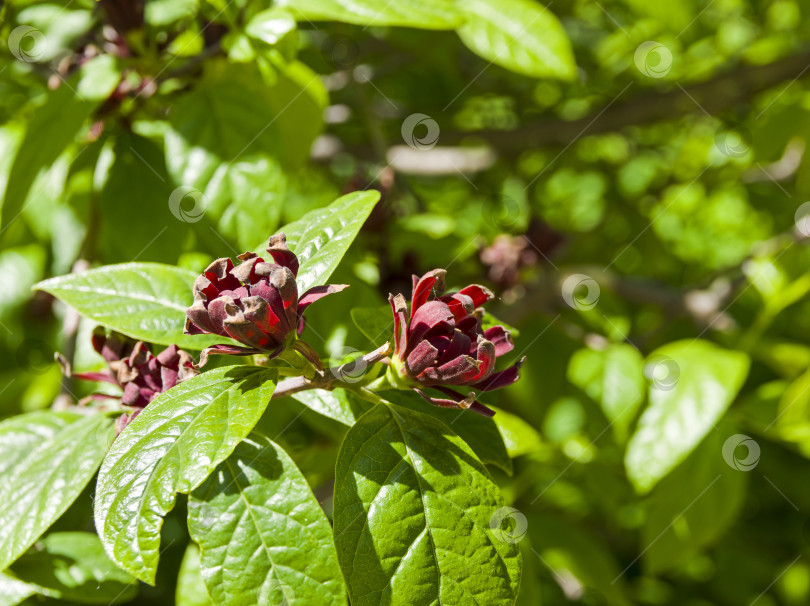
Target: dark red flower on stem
<point>441,343</point>
<point>141,375</point>
<point>255,303</point>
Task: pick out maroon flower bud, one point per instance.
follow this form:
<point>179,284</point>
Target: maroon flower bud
<point>255,302</point>
<point>442,343</point>
<point>141,375</point>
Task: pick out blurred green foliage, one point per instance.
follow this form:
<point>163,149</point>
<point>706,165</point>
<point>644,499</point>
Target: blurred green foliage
<point>629,177</point>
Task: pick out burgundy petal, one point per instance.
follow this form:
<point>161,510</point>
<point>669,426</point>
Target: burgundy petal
<point>318,292</point>
<point>485,354</point>
<point>228,350</point>
<point>458,401</point>
<point>281,253</point>
<point>422,356</point>
<point>103,377</point>
<point>453,372</point>
<point>399,307</point>
<point>460,304</point>
<point>478,294</point>
<point>502,378</point>
<point>219,274</point>
<point>218,312</point>
<point>459,344</point>
<point>429,316</point>
<point>423,288</point>
<point>501,339</point>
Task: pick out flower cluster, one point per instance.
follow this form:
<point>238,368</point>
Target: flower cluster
<point>137,371</point>
<point>441,343</point>
<point>256,302</point>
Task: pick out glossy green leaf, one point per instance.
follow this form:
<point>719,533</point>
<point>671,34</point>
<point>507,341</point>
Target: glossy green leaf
<point>191,589</point>
<point>13,591</point>
<point>693,506</point>
<point>520,35</point>
<point>424,14</point>
<point>172,447</point>
<point>46,459</point>
<point>412,512</point>
<point>58,122</point>
<point>335,404</point>
<point>270,25</point>
<point>146,301</point>
<point>321,237</point>
<point>692,383</point>
<point>263,536</point>
<point>479,432</point>
<point>614,378</point>
<point>73,566</point>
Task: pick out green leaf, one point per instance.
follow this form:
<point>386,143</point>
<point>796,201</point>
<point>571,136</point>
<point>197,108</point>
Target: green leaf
<point>613,377</point>
<point>264,537</point>
<point>46,460</point>
<point>270,25</point>
<point>424,14</point>
<point>692,384</point>
<point>171,447</point>
<point>190,585</point>
<point>518,436</point>
<point>479,432</point>
<point>412,512</point>
<point>14,591</point>
<point>692,507</point>
<point>321,237</point>
<point>146,301</point>
<point>520,35</point>
<point>57,122</point>
<point>73,566</point>
<point>334,404</point>
<point>376,323</point>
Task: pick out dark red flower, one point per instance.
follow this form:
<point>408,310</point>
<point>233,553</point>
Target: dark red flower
<point>441,343</point>
<point>141,375</point>
<point>255,302</point>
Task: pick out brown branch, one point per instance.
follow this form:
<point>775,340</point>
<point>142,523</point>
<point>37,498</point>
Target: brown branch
<point>714,96</point>
<point>329,378</point>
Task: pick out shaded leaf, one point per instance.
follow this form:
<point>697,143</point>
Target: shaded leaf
<point>479,432</point>
<point>614,378</point>
<point>334,404</point>
<point>73,566</point>
<point>58,122</point>
<point>264,537</point>
<point>190,585</point>
<point>692,507</point>
<point>171,447</point>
